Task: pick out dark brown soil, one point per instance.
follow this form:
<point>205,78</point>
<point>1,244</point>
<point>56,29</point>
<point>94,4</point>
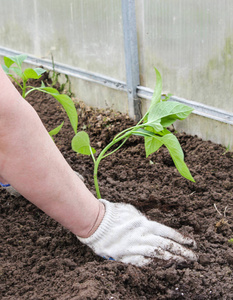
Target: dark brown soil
<point>42,260</point>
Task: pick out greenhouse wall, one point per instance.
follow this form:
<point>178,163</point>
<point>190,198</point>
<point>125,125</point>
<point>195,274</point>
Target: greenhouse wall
<point>189,42</point>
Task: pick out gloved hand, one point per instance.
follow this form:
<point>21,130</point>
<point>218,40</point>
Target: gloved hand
<point>126,235</point>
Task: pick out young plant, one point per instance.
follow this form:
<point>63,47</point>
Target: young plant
<point>55,77</point>
<point>13,68</point>
<point>152,127</point>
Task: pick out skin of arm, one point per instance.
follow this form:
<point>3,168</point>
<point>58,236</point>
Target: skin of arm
<point>33,165</point>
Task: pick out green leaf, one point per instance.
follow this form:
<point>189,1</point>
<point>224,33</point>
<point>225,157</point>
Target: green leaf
<point>157,127</point>
<point>39,71</point>
<point>166,122</point>
<point>164,132</point>
<point>33,73</point>
<point>166,97</point>
<point>158,90</point>
<point>152,144</point>
<point>56,130</point>
<point>81,144</point>
<point>42,84</point>
<point>176,152</point>
<point>67,104</point>
<point>164,112</point>
<point>17,71</point>
<point>6,70</point>
<point>18,59</point>
<point>8,62</point>
<point>69,107</point>
<point>49,90</point>
<point>152,141</point>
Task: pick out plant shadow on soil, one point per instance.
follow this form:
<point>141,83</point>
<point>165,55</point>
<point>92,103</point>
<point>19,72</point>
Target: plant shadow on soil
<point>42,260</point>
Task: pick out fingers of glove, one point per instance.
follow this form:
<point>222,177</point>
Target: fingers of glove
<point>170,233</point>
<point>142,260</point>
<point>137,260</point>
<point>174,248</point>
<point>138,220</point>
<point>162,249</point>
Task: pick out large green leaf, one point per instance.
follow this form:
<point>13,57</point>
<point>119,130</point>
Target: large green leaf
<point>33,73</point>
<point>17,71</point>
<point>67,104</point>
<point>69,107</point>
<point>168,110</point>
<point>167,121</point>
<point>152,144</point>
<point>18,59</point>
<point>8,61</point>
<point>176,152</point>
<point>152,141</point>
<point>81,144</point>
<point>157,91</point>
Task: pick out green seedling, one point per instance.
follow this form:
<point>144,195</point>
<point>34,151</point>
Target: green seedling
<point>230,241</point>
<point>152,127</point>
<point>55,78</point>
<point>223,220</point>
<point>227,150</point>
<point>13,68</point>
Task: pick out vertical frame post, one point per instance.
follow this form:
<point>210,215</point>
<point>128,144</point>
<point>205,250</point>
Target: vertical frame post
<point>131,57</point>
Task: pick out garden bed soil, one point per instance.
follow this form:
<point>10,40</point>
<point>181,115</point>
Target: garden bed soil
<point>42,260</point>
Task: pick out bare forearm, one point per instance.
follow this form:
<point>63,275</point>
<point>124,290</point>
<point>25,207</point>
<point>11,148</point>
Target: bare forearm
<point>32,163</point>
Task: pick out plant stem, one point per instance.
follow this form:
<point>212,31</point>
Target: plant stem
<point>34,89</point>
<point>16,81</point>
<point>92,155</point>
<point>116,148</point>
<point>101,156</point>
<point>24,89</point>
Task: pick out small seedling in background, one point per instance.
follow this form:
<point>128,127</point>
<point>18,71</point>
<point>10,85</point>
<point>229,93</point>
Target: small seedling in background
<point>16,72</point>
<point>223,220</point>
<point>55,77</point>
<point>152,127</point>
<point>227,149</point>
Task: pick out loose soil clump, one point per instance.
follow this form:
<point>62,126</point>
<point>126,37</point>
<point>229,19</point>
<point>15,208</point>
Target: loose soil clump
<point>42,260</point>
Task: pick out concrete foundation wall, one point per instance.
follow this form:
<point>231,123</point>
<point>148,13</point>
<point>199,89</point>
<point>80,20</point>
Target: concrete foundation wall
<point>190,42</point>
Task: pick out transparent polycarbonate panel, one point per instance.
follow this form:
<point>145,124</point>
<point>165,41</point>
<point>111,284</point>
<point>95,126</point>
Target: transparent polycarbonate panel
<point>83,34</point>
<point>191,43</point>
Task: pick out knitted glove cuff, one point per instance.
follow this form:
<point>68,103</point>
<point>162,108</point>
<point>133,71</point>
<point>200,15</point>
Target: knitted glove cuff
<point>108,220</point>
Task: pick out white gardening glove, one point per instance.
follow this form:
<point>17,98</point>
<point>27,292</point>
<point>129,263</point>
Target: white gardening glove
<point>126,235</point>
